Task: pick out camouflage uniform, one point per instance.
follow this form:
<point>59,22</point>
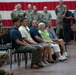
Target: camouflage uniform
<point>28,16</point>
<point>0,20</point>
<point>59,21</point>
<point>17,13</point>
<point>75,16</point>
<point>46,16</point>
<point>3,59</point>
<point>35,16</point>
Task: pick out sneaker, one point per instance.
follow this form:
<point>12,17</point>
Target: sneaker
<point>34,66</point>
<point>61,58</point>
<point>65,54</point>
<point>47,63</point>
<point>42,63</point>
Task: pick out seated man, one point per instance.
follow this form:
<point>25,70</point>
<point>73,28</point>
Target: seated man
<point>38,38</point>
<point>20,45</point>
<point>54,37</point>
<point>27,38</point>
<point>3,59</point>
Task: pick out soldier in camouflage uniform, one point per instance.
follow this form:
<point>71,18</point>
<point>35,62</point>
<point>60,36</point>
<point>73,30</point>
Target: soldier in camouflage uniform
<point>59,21</point>
<point>28,12</point>
<point>46,15</point>
<point>35,15</point>
<point>3,59</point>
<point>0,20</point>
<point>17,12</point>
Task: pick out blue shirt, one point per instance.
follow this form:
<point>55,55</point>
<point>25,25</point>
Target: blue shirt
<point>52,33</point>
<point>34,32</point>
<point>15,34</point>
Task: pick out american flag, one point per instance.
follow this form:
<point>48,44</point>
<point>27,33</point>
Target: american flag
<point>6,7</point>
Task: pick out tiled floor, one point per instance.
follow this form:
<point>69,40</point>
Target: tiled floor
<point>67,67</point>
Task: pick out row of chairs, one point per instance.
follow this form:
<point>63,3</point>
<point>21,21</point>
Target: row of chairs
<point>5,45</point>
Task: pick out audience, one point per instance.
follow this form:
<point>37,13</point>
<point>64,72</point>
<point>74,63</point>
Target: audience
<point>40,39</point>
<point>26,37</point>
<point>20,45</point>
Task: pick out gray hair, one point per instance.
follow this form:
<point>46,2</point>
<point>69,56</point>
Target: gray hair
<point>41,24</point>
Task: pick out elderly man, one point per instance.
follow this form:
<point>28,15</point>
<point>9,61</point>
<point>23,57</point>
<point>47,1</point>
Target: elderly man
<point>59,21</point>
<point>3,59</point>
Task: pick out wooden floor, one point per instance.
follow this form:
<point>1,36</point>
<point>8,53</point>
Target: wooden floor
<point>67,67</point>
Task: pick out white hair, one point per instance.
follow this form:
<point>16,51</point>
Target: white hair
<point>41,24</point>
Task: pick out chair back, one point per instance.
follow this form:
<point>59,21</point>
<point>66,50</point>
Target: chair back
<point>6,38</point>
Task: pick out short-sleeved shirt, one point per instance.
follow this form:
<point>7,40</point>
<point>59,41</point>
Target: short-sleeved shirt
<point>15,34</point>
<point>52,33</point>
<point>25,33</point>
<point>45,36</point>
<point>68,14</point>
<point>34,32</point>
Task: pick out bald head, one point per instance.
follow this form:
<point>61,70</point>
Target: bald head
<point>29,6</point>
<point>60,2</point>
<point>45,8</point>
<point>19,6</point>
<point>34,8</point>
<point>34,23</point>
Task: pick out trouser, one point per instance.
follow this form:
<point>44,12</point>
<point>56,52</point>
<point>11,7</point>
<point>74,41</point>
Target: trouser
<point>67,32</point>
<point>35,52</point>
<point>55,47</point>
<point>58,27</point>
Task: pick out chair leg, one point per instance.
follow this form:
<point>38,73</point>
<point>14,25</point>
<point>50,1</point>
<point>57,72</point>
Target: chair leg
<point>11,60</point>
<point>18,59</point>
<point>25,60</point>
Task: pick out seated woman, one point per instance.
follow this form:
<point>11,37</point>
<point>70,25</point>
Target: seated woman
<point>47,39</point>
<point>54,37</point>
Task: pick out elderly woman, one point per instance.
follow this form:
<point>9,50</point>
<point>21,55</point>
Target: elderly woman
<point>47,39</point>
